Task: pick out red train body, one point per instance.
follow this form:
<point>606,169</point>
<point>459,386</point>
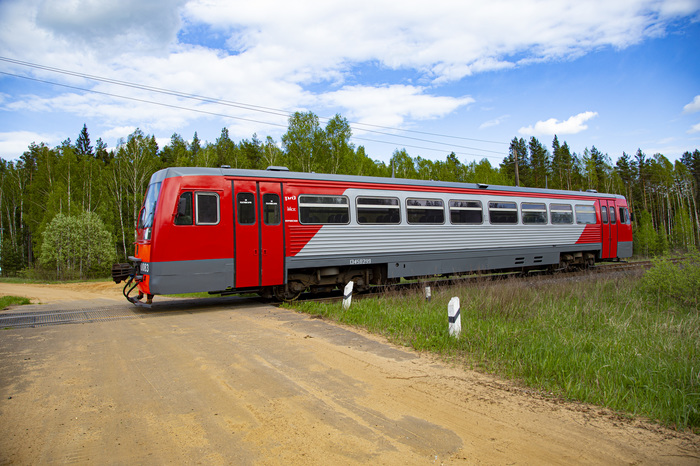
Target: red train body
<point>278,233</point>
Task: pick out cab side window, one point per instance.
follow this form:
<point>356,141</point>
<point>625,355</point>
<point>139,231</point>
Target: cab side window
<point>207,208</point>
<point>200,208</point>
<point>184,216</point>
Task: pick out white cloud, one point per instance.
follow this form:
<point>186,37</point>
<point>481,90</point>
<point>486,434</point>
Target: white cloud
<point>693,106</point>
<point>391,105</point>
<point>118,132</point>
<point>15,143</point>
<point>494,122</point>
<point>573,125</point>
<point>285,55</point>
<point>445,40</point>
<point>694,129</point>
<point>112,24</point>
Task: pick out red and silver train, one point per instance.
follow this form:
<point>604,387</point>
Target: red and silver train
<point>278,233</point>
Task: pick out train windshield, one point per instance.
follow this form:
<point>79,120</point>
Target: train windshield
<point>149,206</point>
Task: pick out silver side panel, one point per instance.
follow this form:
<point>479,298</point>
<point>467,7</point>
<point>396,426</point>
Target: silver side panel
<point>624,249</point>
<point>190,276</point>
<point>405,238</point>
<point>419,263</point>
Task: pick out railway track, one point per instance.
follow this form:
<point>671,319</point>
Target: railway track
<point>24,319</point>
<point>86,312</point>
<point>58,314</point>
<point>419,285</point>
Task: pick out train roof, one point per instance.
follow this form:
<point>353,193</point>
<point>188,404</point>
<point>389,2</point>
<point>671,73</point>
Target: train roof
<point>282,173</point>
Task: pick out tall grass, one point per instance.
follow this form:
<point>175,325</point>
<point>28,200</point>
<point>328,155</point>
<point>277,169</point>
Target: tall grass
<point>604,341</point>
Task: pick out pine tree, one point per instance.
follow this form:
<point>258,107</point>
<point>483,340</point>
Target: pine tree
<point>539,163</point>
<point>82,145</point>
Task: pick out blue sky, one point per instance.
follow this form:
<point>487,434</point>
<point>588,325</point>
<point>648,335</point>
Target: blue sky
<point>432,77</point>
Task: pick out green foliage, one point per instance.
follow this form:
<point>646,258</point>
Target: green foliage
<point>674,281</point>
<point>6,301</point>
<point>303,142</point>
<point>597,342</point>
<point>11,260</point>
<point>647,240</point>
<point>74,178</point>
<point>77,246</point>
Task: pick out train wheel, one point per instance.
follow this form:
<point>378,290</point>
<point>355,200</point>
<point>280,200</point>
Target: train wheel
<point>283,293</point>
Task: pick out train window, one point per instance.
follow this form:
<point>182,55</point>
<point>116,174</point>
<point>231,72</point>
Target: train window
<point>246,208</point>
<point>503,212</point>
<point>612,214</point>
<point>533,213</point>
<point>271,209</point>
<point>149,206</point>
<point>207,211</point>
<point>466,212</point>
<point>625,216</point>
<point>430,211</point>
<point>585,214</point>
<point>604,214</point>
<point>183,216</point>
<point>322,210</point>
<point>378,210</point>
<point>561,214</point>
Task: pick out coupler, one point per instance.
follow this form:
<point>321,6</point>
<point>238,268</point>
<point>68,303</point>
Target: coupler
<point>130,275</point>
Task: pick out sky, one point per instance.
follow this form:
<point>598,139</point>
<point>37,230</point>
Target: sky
<point>429,77</point>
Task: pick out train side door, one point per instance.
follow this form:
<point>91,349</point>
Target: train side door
<point>605,229</point>
<point>609,229</point>
<point>613,228</point>
<point>258,234</point>
<point>272,247</point>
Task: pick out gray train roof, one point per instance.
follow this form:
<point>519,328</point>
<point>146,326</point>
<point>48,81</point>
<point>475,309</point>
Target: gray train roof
<point>172,172</point>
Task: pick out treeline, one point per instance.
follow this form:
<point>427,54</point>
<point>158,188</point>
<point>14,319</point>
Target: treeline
<point>70,211</point>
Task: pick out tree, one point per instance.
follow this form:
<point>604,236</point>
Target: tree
<point>225,150</point>
<point>449,170</point>
<point>562,165</point>
<point>403,165</point>
<point>77,246</point>
<point>337,145</point>
<point>176,153</point>
<point>539,163</point>
<point>517,172</point>
<point>252,153</point>
<point>82,145</point>
<point>302,141</point>
<point>272,153</point>
<point>641,166</point>
<point>195,147</point>
<point>135,162</point>
<point>101,152</point>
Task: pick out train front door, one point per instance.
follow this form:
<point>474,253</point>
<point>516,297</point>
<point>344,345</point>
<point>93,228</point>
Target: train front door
<point>609,229</point>
<point>258,234</point>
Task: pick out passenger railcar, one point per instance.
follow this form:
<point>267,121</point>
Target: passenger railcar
<point>278,233</point>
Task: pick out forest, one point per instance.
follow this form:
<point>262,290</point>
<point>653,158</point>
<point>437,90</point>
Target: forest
<point>69,211</point>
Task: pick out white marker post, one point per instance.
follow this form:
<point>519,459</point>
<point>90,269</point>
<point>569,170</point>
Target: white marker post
<point>427,293</point>
<point>347,295</point>
<point>454,318</point>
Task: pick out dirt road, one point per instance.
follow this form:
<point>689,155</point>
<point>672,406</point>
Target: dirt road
<point>238,382</point>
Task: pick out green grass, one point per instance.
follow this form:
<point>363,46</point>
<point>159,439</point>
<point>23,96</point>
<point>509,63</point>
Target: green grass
<point>610,342</point>
<point>6,301</point>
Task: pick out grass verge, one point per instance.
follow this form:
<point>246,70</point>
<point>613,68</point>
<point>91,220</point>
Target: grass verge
<point>6,301</point>
<point>610,342</point>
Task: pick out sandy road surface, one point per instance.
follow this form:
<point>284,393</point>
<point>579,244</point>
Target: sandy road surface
<point>243,383</point>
